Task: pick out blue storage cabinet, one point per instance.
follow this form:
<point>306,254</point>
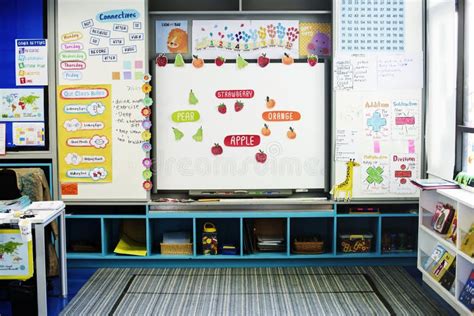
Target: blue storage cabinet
<point>327,220</point>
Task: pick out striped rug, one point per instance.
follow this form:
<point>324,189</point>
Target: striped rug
<point>253,291</point>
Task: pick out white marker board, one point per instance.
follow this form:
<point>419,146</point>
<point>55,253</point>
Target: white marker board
<point>103,43</point>
<point>378,98</point>
<point>187,164</point>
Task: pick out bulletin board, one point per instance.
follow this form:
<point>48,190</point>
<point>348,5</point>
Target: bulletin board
<point>250,128</point>
<point>22,109</point>
<point>101,65</point>
<point>378,97</point>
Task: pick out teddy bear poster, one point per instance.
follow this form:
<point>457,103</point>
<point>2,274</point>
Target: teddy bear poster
<point>171,37</point>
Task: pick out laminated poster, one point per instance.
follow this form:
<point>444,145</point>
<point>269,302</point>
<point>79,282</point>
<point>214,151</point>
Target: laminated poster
<point>85,137</point>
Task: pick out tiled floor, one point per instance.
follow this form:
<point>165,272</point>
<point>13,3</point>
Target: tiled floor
<point>78,277</point>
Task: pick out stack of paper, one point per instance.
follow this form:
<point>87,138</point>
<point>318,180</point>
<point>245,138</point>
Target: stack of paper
<point>14,205</point>
<point>46,206</point>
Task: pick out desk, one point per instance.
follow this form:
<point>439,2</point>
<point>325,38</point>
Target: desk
<point>38,223</point>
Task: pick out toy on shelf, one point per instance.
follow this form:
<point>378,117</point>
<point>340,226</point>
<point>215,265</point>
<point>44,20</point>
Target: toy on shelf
<point>346,185</point>
<point>356,243</point>
<point>209,239</point>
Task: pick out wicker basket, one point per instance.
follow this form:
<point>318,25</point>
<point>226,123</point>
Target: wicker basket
<point>176,249</point>
<point>308,247</point>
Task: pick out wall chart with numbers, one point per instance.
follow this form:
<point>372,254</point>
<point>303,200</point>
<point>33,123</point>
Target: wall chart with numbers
<point>372,26</point>
<point>101,70</point>
<point>378,96</point>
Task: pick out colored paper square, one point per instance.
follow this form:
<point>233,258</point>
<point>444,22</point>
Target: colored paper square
<point>127,75</point>
<point>127,64</point>
<point>138,64</point>
<point>115,75</point>
<point>138,75</point>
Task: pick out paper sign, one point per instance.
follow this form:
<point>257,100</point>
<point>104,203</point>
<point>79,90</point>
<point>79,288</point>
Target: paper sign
<point>22,105</point>
<point>171,37</point>
<point>345,144</point>
<point>85,135</point>
<point>16,256</point>
<point>355,74</point>
<point>375,174</point>
<point>249,38</point>
<point>3,136</point>
<point>400,72</point>
<point>28,134</point>
<point>31,62</point>
<point>371,26</point>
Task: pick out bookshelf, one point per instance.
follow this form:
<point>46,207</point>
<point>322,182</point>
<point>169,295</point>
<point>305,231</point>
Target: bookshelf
<point>429,239</point>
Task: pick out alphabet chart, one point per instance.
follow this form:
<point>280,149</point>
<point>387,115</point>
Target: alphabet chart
<point>372,26</point>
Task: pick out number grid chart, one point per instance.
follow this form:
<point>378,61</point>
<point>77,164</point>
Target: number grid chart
<point>372,26</point>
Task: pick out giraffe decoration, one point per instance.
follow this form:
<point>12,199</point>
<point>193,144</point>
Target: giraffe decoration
<point>345,186</point>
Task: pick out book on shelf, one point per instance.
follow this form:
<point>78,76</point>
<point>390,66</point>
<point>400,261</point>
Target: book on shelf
<point>467,244</point>
<point>434,184</point>
<point>436,255</point>
<point>447,280</point>
<point>467,294</point>
<point>443,265</point>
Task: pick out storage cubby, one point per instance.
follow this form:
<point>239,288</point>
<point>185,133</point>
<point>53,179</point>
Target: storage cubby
<point>186,5</point>
<point>228,233</point>
<point>285,5</point>
<point>269,229</point>
<point>78,242</point>
<point>167,225</point>
<point>399,235</point>
<point>112,210</point>
<point>357,226</point>
<point>377,209</point>
<point>322,227</point>
<point>113,228</point>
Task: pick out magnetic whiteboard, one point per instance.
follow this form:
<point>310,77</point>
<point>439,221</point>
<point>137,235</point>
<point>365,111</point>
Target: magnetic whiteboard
<point>378,98</point>
<point>187,164</point>
<point>102,44</point>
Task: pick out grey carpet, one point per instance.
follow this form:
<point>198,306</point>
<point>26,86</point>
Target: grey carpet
<point>253,291</point>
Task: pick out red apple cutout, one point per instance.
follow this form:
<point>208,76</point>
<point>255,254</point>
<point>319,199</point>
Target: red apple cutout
<point>217,150</point>
<point>161,60</point>
<point>220,61</point>
<point>263,60</point>
<point>261,156</point>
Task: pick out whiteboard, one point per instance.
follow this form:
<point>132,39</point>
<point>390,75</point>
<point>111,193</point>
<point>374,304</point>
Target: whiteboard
<point>103,43</point>
<point>378,122</point>
<point>186,164</point>
<point>441,88</point>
